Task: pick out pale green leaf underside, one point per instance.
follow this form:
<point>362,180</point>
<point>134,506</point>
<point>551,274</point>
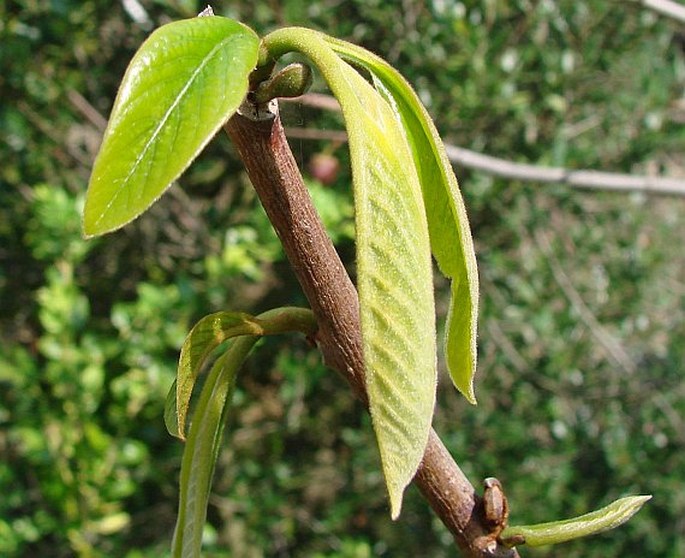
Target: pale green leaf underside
<point>184,82</point>
<point>394,275</point>
<point>608,517</point>
<point>450,235</point>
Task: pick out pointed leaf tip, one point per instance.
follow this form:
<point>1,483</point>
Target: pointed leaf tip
<point>184,82</point>
<point>598,521</point>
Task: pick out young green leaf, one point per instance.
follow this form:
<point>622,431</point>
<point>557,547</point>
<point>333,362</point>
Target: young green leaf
<point>202,448</point>
<point>394,275</point>
<point>555,532</point>
<point>450,235</point>
<point>206,429</point>
<point>184,82</point>
<point>210,332</point>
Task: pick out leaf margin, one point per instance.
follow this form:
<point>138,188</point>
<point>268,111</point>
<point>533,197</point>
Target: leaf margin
<point>94,222</point>
<point>461,327</point>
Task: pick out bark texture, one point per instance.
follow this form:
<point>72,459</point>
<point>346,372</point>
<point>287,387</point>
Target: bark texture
<point>258,134</point>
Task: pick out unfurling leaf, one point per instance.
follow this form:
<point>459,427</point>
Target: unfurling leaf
<point>184,82</point>
<point>202,448</point>
<point>206,429</point>
<point>210,332</point>
<point>555,532</point>
<point>450,235</point>
<point>394,273</point>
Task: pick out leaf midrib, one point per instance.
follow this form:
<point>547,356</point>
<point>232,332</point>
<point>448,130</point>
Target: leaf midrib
<point>165,118</point>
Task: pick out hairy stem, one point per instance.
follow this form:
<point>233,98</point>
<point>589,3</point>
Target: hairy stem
<point>261,142</point>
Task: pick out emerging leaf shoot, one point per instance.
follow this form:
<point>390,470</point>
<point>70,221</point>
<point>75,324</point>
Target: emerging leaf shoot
<point>598,521</point>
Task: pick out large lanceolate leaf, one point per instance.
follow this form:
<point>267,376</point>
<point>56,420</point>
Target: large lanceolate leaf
<point>394,275</point>
<point>184,82</point>
<point>451,240</point>
<point>210,332</point>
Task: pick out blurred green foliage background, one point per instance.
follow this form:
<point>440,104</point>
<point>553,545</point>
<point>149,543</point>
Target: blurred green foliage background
<point>582,330</point>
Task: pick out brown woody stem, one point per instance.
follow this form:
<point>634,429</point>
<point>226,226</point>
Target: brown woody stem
<point>261,142</point>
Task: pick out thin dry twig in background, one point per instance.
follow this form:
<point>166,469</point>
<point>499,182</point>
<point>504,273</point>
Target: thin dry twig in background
<point>515,171</point>
<point>467,158</point>
<point>611,345</point>
<point>667,8</point>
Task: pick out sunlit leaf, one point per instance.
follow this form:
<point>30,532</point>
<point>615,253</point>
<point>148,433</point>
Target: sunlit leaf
<point>184,82</point>
<point>394,275</point>
<point>210,332</point>
<point>555,532</point>
<point>450,235</point>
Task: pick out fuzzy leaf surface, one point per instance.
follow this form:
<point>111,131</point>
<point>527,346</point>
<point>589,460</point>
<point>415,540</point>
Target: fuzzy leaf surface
<point>394,274</point>
<point>184,82</point>
<point>450,235</point>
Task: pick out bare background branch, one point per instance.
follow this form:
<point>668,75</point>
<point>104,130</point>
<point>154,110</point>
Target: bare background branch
<point>668,8</point>
<point>511,170</point>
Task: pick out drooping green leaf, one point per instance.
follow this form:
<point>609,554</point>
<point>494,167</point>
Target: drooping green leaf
<point>206,335</point>
<point>394,275</point>
<point>608,517</point>
<point>184,82</point>
<point>451,240</point>
<point>202,448</point>
<point>210,332</point>
<point>209,417</point>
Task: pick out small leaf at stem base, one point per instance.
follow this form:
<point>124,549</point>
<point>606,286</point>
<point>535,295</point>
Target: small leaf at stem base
<point>184,82</point>
<point>608,517</point>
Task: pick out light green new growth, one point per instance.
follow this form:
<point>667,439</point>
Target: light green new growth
<point>202,447</point>
<point>450,235</point>
<point>210,332</point>
<point>394,275</point>
<point>185,81</point>
<point>609,517</point>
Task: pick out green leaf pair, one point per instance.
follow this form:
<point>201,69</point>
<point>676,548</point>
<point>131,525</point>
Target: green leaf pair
<point>206,430</point>
<point>208,334</point>
<point>407,204</point>
<point>187,79</point>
